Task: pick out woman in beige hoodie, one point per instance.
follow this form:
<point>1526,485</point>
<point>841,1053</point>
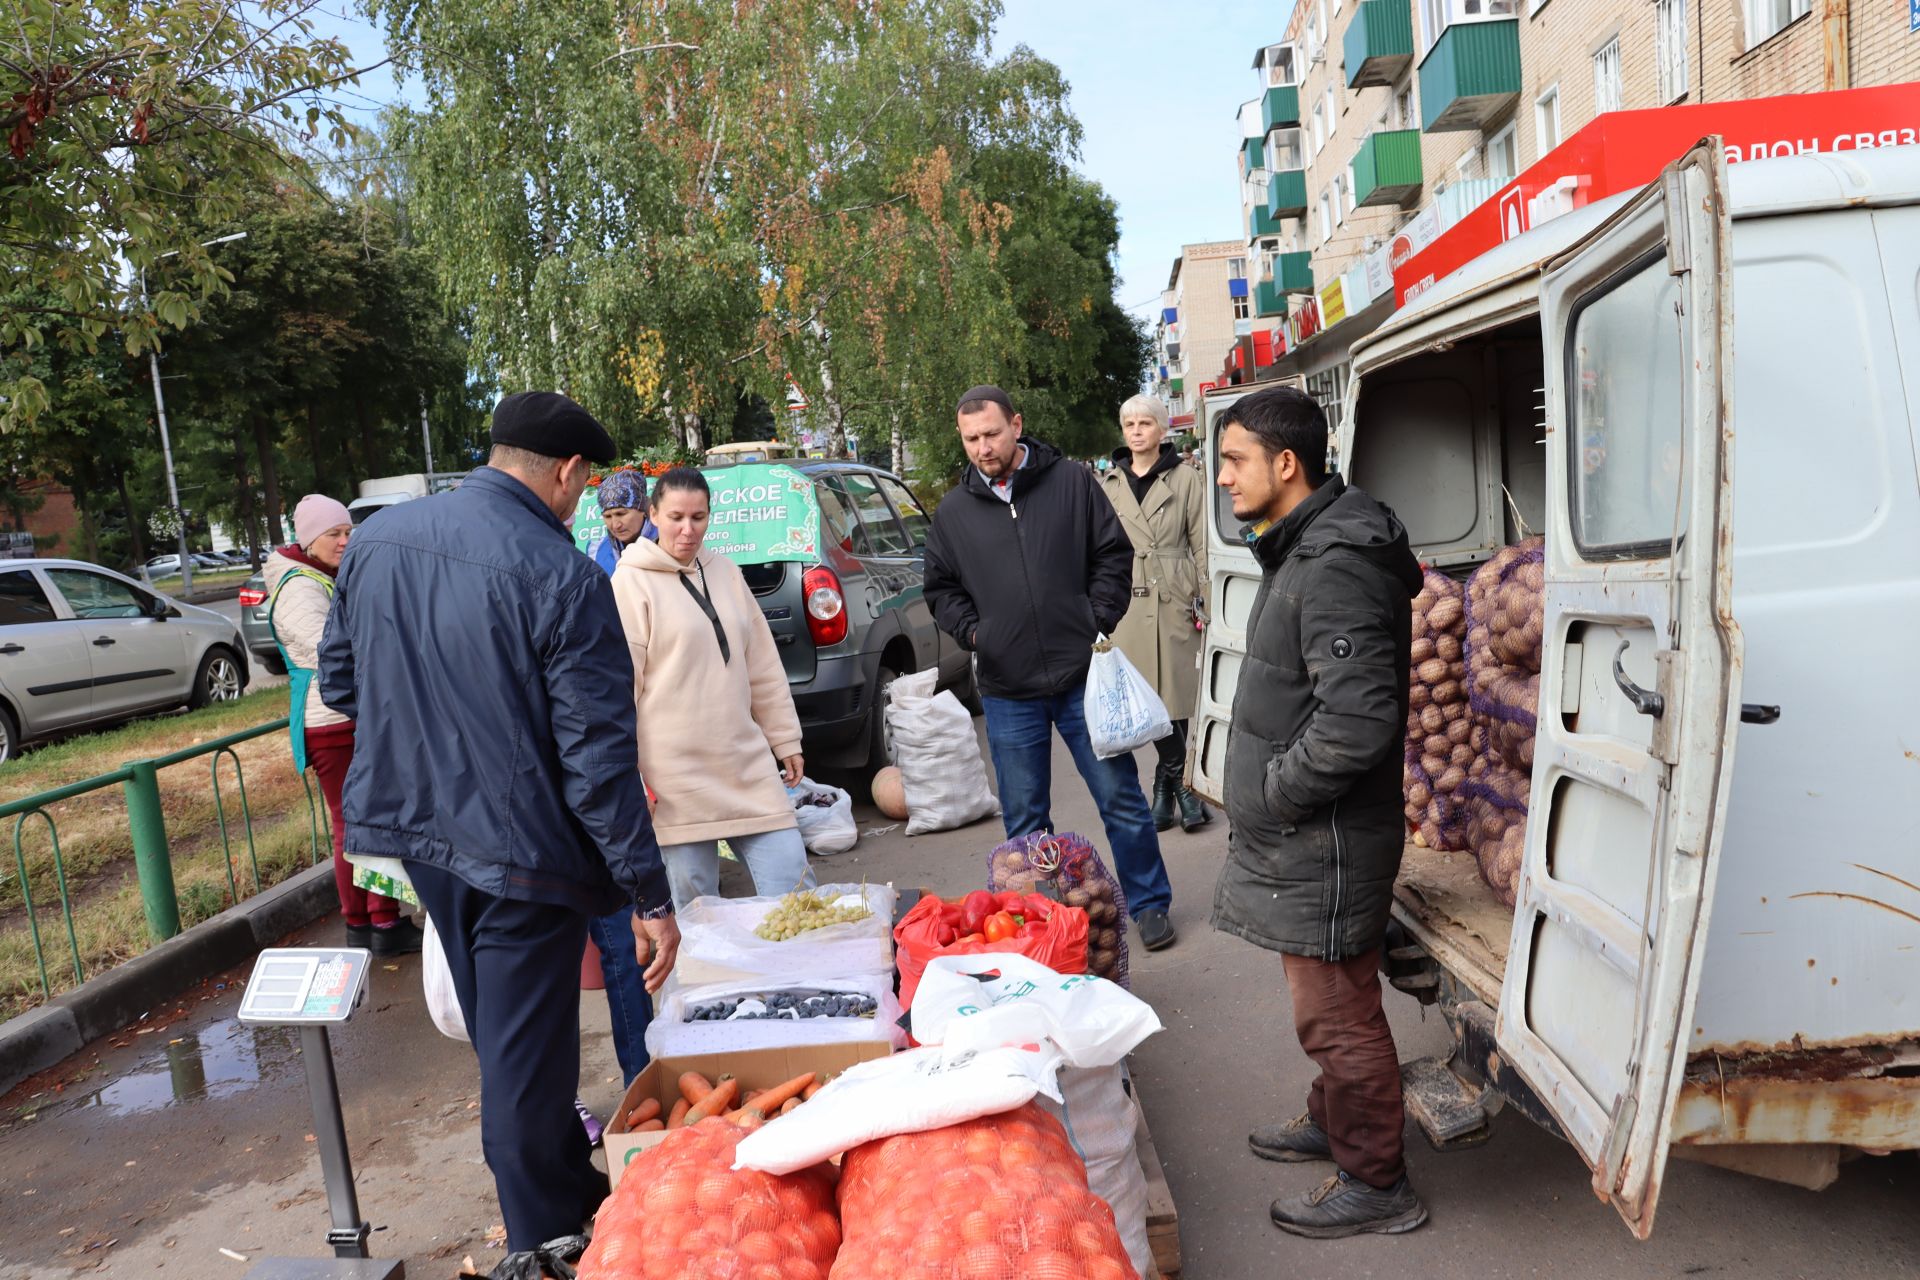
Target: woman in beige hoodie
<point>719,736</point>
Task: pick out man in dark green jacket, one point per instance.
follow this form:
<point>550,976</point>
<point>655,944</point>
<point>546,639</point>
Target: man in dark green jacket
<point>1313,792</point>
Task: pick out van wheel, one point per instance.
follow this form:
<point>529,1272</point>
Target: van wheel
<point>218,679</point>
<point>879,738</point>
<point>9,736</point>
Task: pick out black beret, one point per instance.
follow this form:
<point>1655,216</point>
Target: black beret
<point>551,425</point>
<point>990,394</point>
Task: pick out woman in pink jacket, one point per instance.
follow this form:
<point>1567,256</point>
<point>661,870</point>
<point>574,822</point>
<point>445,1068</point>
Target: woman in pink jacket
<point>719,736</point>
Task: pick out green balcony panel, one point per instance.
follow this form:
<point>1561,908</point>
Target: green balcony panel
<point>1287,193</point>
<point>1379,43</point>
<point>1386,168</point>
<point>1280,107</point>
<point>1471,75</point>
<point>1179,385</point>
<point>1294,271</point>
<point>1261,223</point>
<point>1253,156</point>
<point>1269,299</point>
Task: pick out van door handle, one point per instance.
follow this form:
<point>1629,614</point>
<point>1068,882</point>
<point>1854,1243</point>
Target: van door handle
<point>13,648</point>
<point>1750,712</point>
<point>1645,701</point>
<point>103,642</point>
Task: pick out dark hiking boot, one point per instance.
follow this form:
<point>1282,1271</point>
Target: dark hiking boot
<point>1295,1142</point>
<point>1156,931</point>
<point>401,939</point>
<point>1343,1206</point>
<point>1165,792</point>
<point>1193,811</point>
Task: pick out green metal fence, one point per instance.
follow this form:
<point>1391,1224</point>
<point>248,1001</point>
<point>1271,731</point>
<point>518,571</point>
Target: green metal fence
<point>139,781</point>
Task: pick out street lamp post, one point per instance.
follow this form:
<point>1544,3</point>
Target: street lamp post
<point>166,441</point>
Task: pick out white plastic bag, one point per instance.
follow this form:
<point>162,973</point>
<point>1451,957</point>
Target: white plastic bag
<point>1093,1022</point>
<point>907,1093</point>
<point>670,1035</point>
<point>1123,711</point>
<point>826,829</point>
<point>718,943</point>
<point>938,755</point>
<point>1100,1118</point>
<point>443,1002</point>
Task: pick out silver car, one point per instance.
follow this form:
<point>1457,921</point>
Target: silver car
<point>81,646</point>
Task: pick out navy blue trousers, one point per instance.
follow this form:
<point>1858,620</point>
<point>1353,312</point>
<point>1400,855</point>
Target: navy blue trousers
<point>516,969</point>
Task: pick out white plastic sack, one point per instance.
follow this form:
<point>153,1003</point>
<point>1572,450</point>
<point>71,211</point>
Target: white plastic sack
<point>826,830</point>
<point>718,943</point>
<point>1093,1022</point>
<point>938,756</point>
<point>670,1035</point>
<point>443,1002</point>
<point>1100,1118</point>
<point>909,1092</point>
<point>1123,711</point>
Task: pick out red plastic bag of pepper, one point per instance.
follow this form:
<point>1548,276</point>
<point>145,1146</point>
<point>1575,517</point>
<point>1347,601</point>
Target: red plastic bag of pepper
<point>1051,932</point>
<point>1003,1197</point>
<point>683,1212</point>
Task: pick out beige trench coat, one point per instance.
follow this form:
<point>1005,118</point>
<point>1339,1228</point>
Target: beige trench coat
<point>1169,535</point>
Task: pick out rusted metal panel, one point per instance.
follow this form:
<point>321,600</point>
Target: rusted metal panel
<point>1866,1097</point>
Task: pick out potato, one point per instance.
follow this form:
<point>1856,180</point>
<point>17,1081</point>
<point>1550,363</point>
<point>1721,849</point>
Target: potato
<point>1447,691</point>
<point>1424,648</point>
<point>1445,614</point>
<point>1418,696</point>
<point>1432,671</point>
<point>1449,779</point>
<point>1459,731</point>
<point>1106,939</point>
<point>1102,962</point>
<point>1460,756</point>
<point>1418,793</point>
<point>1446,647</point>
<point>1079,897</point>
<point>1433,719</point>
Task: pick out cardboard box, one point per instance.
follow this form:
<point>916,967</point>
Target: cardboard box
<point>753,1068</point>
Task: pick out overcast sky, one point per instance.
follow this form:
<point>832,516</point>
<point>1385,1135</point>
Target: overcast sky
<point>1157,85</point>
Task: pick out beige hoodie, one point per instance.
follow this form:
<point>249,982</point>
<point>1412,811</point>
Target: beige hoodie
<point>710,731</point>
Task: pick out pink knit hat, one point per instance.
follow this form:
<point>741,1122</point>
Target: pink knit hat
<point>316,514</point>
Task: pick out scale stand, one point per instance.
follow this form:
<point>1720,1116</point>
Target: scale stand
<point>314,988</point>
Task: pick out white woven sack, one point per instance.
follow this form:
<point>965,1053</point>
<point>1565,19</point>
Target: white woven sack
<point>938,755</point>
<point>1123,711</point>
<point>1099,1117</point>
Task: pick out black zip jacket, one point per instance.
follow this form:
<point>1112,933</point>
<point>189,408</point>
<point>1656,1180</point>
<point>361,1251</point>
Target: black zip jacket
<point>1027,585</point>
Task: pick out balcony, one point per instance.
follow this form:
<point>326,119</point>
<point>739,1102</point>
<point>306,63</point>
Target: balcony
<point>1463,196</point>
<point>1252,157</point>
<point>1287,194</point>
<point>1279,107</point>
<point>1260,223</point>
<point>1292,273</point>
<point>1471,74</point>
<point>1379,43</point>
<point>1386,168</point>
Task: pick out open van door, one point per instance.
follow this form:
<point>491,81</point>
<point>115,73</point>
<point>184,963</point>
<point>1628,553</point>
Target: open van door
<point>1233,584</point>
<point>1640,682</point>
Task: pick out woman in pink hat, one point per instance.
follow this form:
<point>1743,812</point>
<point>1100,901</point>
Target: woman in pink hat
<point>299,581</point>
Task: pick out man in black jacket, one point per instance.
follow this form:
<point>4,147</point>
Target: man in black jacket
<point>1026,565</point>
<point>1313,793</point>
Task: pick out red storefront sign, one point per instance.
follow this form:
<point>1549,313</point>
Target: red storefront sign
<point>1626,149</point>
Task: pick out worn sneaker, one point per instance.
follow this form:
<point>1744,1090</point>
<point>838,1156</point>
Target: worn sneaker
<point>595,1130</point>
<point>1295,1142</point>
<point>402,938</point>
<point>1156,931</point>
<point>1344,1206</point>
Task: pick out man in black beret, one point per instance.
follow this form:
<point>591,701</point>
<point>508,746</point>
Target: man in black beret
<point>483,662</point>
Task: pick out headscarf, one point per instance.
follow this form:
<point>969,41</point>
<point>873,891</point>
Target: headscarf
<point>624,488</point>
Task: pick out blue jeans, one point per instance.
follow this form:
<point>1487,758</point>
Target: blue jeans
<point>1018,734</point>
<point>628,1003</point>
<point>777,860</point>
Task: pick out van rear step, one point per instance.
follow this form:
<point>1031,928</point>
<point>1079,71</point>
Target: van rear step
<point>1447,1110</point>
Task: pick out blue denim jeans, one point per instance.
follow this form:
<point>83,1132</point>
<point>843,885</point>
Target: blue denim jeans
<point>628,1003</point>
<point>1020,738</point>
<point>777,860</point>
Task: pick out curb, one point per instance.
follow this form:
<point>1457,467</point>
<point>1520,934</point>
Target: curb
<point>42,1037</point>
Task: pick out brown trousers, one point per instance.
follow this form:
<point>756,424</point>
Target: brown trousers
<point>1356,1097</point>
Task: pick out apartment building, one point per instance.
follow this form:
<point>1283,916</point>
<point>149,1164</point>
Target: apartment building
<point>1382,123</point>
<point>1204,309</point>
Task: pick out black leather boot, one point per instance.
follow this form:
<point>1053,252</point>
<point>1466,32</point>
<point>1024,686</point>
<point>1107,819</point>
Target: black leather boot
<point>1166,790</point>
<point>1193,811</point>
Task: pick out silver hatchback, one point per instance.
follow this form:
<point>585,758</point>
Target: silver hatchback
<point>81,646</point>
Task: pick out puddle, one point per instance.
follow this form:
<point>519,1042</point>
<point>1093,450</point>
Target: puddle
<point>221,1060</point>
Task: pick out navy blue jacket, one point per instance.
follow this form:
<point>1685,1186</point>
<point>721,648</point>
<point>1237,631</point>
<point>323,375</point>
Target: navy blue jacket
<point>483,663</point>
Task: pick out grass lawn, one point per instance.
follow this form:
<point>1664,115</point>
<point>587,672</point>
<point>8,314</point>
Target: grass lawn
<point>96,848</point>
<point>204,580</point>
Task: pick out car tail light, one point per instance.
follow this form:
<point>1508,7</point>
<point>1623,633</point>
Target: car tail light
<point>252,597</point>
<point>826,606</point>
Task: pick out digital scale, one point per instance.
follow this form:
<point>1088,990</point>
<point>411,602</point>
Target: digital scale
<point>314,988</point>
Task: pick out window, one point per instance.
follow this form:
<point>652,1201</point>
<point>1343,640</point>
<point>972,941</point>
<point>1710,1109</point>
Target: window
<point>1333,111</point>
<point>91,596</point>
<point>22,601</point>
<point>1283,150</point>
<point>1627,385</point>
<point>1546,120</point>
<point>1503,157</point>
<point>1607,91</point>
<point>1340,197</point>
<point>1405,114</point>
<point>912,515</point>
<point>1280,67</point>
<point>1319,128</point>
<point>1326,218</point>
<point>1767,17</point>
<point>837,521</point>
<point>1236,268</point>
<point>1242,309</point>
<point>1437,15</point>
<point>884,535</point>
<point>1670,37</point>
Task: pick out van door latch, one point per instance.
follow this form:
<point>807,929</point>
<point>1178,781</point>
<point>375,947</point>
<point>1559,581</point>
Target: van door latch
<point>1645,701</point>
<point>1758,713</point>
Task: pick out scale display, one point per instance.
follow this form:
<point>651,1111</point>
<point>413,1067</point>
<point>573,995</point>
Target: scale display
<point>294,985</point>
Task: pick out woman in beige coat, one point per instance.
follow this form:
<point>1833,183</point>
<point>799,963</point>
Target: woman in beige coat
<point>1163,507</point>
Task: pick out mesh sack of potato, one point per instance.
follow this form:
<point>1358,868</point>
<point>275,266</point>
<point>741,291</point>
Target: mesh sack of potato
<point>1069,868</point>
<point>1505,618</point>
<point>1495,799</point>
<point>1436,756</point>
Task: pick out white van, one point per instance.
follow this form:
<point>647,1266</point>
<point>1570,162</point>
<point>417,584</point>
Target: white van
<point>1705,395</point>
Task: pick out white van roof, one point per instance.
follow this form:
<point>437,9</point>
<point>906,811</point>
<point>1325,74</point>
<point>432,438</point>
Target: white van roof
<point>1507,275</point>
